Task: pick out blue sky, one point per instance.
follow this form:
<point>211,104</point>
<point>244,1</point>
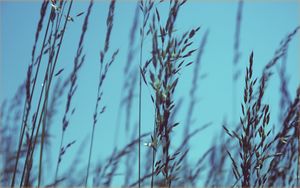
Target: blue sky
<point>264,25</point>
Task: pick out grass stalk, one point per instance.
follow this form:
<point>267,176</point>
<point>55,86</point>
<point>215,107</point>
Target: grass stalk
<point>27,104</point>
<point>42,145</point>
<point>32,142</point>
<point>236,58</point>
<point>145,8</point>
<point>140,104</point>
<point>102,75</point>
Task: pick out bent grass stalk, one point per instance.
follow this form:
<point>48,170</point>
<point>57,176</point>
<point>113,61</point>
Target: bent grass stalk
<point>28,102</point>
<point>78,62</point>
<point>102,76</point>
<point>30,150</point>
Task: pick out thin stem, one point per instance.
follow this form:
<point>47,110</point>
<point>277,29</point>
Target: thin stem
<point>90,154</point>
<point>42,144</point>
<point>140,104</point>
<point>25,114</point>
<point>44,102</point>
<point>235,71</point>
<point>59,157</point>
<point>153,151</point>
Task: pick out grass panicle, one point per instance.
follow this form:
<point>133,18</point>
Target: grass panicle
<point>256,150</point>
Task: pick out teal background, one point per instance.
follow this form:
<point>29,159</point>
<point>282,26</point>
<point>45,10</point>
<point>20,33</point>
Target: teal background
<point>264,24</point>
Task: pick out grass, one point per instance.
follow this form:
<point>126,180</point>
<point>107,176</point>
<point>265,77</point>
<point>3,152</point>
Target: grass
<point>255,153</point>
<point>102,77</point>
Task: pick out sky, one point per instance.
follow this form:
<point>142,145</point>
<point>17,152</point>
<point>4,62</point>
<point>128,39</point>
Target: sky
<point>264,24</point>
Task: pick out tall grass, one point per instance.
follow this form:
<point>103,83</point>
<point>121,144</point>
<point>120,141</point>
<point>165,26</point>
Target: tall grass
<point>104,67</point>
<point>78,62</point>
<point>254,142</point>
<point>252,151</point>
